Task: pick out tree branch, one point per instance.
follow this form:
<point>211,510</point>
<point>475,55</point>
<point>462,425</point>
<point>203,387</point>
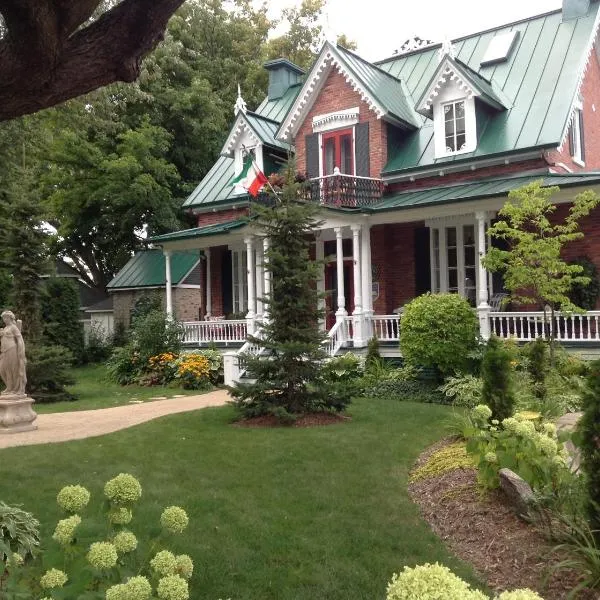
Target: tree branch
<point>45,59</point>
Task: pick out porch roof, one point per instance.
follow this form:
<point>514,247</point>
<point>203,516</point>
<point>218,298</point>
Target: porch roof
<point>198,232</point>
<point>147,269</point>
<point>482,188</point>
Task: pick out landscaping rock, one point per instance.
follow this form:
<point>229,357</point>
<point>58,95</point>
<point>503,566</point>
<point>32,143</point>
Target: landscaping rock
<point>518,491</point>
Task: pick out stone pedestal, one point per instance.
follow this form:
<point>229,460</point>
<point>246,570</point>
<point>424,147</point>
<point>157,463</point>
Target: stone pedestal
<point>16,413</point>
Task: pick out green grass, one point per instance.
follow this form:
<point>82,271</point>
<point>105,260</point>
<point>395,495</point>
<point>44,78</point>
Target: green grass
<point>281,514</point>
<point>94,390</point>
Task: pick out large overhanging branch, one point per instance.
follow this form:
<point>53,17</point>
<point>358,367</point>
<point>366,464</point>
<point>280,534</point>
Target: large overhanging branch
<point>48,54</point>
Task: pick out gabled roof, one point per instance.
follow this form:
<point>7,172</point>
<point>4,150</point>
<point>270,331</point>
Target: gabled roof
<point>471,81</point>
<point>385,94</point>
<point>198,232</point>
<point>261,128</point>
<point>541,77</point>
<point>147,269</point>
<point>215,186</point>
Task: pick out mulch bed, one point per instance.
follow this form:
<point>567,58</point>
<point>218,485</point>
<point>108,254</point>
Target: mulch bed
<point>308,420</point>
<point>481,529</point>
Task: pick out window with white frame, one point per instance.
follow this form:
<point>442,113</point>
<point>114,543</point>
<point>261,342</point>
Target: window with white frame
<point>577,141</point>
<point>239,277</point>
<point>454,260</point>
<point>455,126</point>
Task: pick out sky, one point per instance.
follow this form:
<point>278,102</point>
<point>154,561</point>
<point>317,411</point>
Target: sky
<point>381,26</point>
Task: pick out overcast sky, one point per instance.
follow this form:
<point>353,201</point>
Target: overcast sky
<point>380,26</point>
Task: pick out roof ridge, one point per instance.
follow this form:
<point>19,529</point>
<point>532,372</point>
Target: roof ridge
<point>469,35</point>
<point>255,114</point>
<point>372,65</point>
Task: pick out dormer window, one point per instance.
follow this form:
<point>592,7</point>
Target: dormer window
<point>455,126</point>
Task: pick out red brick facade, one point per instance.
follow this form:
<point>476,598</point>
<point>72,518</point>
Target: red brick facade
<point>214,218</point>
<point>336,95</point>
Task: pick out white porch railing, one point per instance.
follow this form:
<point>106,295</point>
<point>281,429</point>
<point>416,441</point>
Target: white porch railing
<point>386,328</point>
<point>338,336</point>
<point>219,332</point>
<point>527,326</point>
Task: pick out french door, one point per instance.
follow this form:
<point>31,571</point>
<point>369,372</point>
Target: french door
<point>338,151</point>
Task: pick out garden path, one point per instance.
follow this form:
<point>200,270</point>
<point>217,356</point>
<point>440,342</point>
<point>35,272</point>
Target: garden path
<point>76,425</point>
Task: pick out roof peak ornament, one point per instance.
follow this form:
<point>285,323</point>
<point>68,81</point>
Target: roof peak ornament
<point>240,104</point>
<point>447,49</point>
<point>413,43</point>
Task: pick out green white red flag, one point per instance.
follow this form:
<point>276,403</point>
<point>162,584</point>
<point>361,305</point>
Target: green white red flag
<point>251,178</point>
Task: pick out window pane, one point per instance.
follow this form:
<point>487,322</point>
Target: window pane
<point>452,280</point>
<point>460,141</point>
<point>469,256</point>
<point>452,262</point>
<point>469,235</point>
<point>450,236</point>
<point>346,154</point>
<point>449,112</point>
<point>459,108</point>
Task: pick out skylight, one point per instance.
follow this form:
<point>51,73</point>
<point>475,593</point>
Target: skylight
<point>499,48</point>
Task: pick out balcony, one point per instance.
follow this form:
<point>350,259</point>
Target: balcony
<point>344,190</point>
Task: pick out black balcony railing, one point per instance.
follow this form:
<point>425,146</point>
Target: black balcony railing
<point>344,190</point>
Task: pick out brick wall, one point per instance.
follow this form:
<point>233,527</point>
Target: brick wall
<point>337,95</point>
<point>213,218</point>
<point>187,303</point>
<point>590,93</point>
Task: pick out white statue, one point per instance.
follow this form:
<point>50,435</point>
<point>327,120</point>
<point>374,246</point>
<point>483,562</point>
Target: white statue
<point>12,356</point>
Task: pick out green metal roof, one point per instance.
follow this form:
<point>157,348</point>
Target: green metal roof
<point>482,188</point>
<point>278,108</point>
<point>147,269</point>
<point>198,232</point>
<point>388,90</point>
<point>540,78</point>
<point>216,185</point>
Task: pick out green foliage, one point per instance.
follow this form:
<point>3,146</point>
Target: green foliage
<point>585,295</point>
<point>288,375</point>
<point>589,443</point>
<point>463,390</point>
<point>60,316</point>
<point>537,353</point>
<point>533,453</point>
<point>497,391</point>
<point>373,358</point>
<point>117,567</point>
<point>449,458</point>
<point>533,268</point>
<point>154,334</point>
<point>439,331</point>
<point>145,305</point>
<point>342,377</point>
<point>20,532</point>
<point>98,345</point>
<point>124,365</point>
<point>48,373</point>
<point>403,384</point>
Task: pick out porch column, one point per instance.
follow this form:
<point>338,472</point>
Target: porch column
<point>168,281</point>
<point>367,281</point>
<point>341,298</point>
<point>358,311</point>
<point>267,278</point>
<point>483,308</point>
<point>240,278</point>
<point>259,281</point>
<point>208,284</point>
<point>250,315</point>
<point>320,256</point>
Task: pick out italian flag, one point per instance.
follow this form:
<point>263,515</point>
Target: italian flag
<point>251,178</point>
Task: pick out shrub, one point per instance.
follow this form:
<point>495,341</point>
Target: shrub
<point>124,364</point>
<point>154,333</point>
<point>98,345</point>
<point>497,391</point>
<point>109,568</point>
<point>449,458</point>
<point>404,384</point>
<point>463,390</point>
<point>537,353</point>
<point>342,379</point>
<point>533,453</point>
<point>585,295</point>
<point>48,373</point>
<point>193,370</point>
<point>373,357</point>
<point>439,331</point>
<point>19,532</point>
<point>144,306</point>
<point>588,432</point>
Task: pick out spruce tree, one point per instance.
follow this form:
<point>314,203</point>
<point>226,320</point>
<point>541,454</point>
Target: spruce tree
<point>498,391</point>
<point>287,371</point>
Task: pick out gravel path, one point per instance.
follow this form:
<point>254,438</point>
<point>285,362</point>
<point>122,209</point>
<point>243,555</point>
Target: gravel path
<point>62,427</point>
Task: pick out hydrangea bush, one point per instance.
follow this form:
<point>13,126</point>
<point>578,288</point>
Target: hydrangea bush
<point>110,568</point>
<point>437,582</point>
<point>531,450</point>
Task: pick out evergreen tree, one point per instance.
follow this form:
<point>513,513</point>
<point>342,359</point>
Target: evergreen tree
<point>60,316</point>
<point>289,379</point>
<point>498,391</point>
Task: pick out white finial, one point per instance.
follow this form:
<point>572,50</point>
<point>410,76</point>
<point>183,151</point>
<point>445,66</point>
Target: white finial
<point>447,49</point>
<point>240,105</point>
<point>328,31</point>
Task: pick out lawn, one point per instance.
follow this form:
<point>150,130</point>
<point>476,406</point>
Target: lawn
<point>283,514</point>
<point>95,390</point>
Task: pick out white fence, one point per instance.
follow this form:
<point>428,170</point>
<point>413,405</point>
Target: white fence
<point>219,332</point>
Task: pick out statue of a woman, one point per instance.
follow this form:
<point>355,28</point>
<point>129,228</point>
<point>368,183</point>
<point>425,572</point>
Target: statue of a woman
<point>12,356</point>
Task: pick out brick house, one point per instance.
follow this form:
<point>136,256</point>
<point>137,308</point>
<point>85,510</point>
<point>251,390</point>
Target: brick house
<point>410,159</point>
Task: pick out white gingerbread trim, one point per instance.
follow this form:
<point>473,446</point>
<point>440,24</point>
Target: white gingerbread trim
<point>240,127</point>
<point>336,120</point>
<point>578,97</point>
<point>328,59</point>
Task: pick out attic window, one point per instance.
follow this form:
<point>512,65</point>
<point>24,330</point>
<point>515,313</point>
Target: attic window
<point>499,48</point>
